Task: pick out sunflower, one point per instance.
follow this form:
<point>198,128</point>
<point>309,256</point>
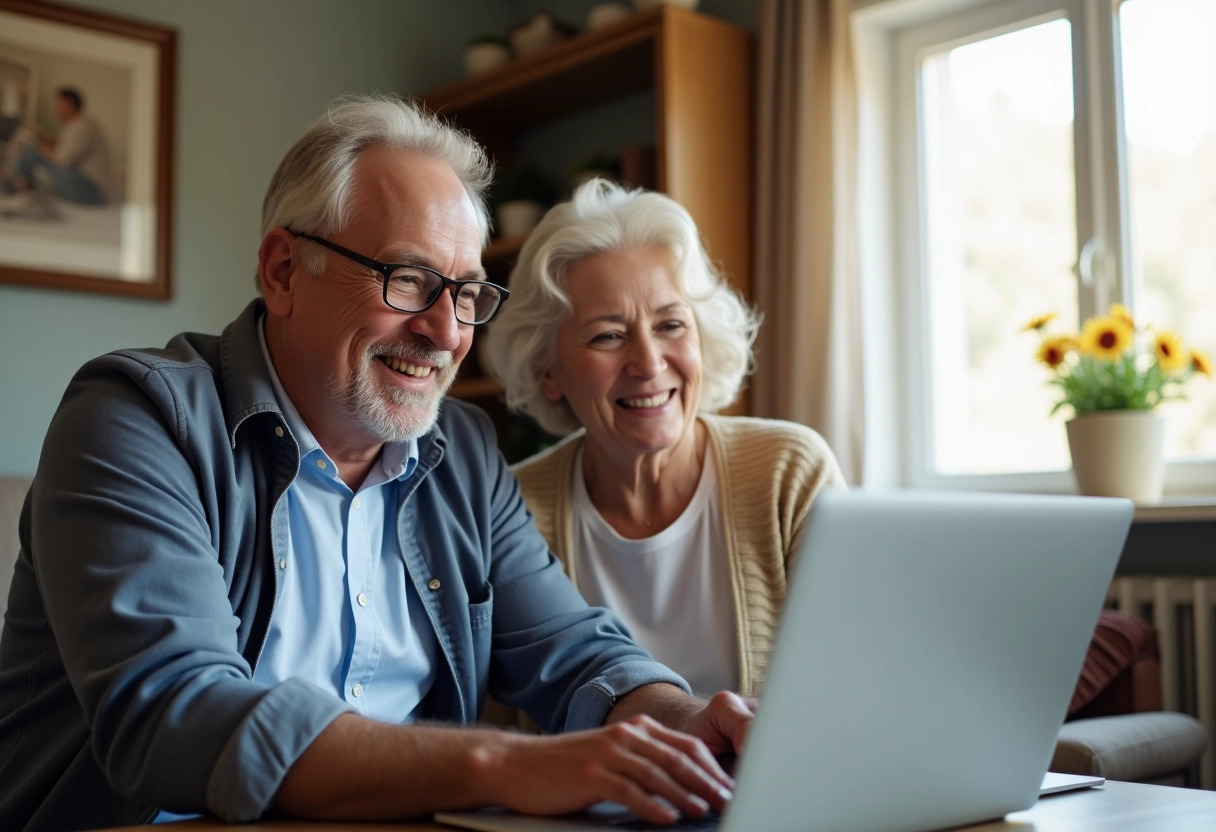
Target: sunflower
<point>1200,363</point>
<point>1053,350</point>
<point>1039,322</point>
<point>1169,351</point>
<point>1121,313</point>
<point>1106,338</point>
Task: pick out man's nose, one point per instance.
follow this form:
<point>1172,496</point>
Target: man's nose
<point>438,323</point>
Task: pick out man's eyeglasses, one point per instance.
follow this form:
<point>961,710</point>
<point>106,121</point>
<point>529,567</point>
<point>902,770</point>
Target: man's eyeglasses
<point>416,288</point>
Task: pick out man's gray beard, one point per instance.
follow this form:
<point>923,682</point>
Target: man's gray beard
<point>388,413</point>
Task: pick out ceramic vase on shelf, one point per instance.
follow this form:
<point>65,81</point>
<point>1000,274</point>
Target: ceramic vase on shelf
<point>518,216</point>
<point>1119,453</point>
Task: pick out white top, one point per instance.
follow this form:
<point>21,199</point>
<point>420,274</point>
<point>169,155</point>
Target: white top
<point>672,590</point>
<point>82,145</point>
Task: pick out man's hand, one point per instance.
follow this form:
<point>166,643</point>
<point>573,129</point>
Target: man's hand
<point>723,723</point>
<point>633,762</point>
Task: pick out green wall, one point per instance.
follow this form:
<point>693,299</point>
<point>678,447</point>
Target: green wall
<point>251,75</point>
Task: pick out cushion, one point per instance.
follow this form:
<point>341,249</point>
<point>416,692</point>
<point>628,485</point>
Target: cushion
<point>1135,747</point>
<point>1120,674</point>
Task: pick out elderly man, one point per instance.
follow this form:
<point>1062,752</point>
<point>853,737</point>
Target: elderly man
<point>260,571</point>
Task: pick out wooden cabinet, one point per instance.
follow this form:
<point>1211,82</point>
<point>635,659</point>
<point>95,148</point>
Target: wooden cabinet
<point>699,71</point>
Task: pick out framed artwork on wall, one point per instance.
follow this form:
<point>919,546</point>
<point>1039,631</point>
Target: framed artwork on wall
<point>86,150</point>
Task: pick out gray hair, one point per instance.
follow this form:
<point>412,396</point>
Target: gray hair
<point>602,216</point>
<point>311,190</point>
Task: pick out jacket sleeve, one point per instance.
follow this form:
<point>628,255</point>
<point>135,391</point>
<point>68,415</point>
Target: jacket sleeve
<point>124,548</point>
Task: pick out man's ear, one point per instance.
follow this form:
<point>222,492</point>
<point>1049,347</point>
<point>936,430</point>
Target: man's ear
<point>550,387</point>
<point>277,266</point>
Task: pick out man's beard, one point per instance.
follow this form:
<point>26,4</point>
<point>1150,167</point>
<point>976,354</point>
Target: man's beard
<point>389,413</point>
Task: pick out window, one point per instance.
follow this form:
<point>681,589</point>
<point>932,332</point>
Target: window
<point>1046,155</point>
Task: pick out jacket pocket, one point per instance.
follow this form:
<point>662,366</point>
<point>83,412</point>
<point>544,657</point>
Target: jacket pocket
<point>481,613</point>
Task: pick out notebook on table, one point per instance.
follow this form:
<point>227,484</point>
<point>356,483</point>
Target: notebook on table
<point>925,659</point>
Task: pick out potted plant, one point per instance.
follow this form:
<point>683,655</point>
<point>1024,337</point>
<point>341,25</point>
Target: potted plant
<point>1113,374</point>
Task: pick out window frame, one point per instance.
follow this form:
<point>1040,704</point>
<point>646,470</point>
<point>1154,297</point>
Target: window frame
<point>889,37</point>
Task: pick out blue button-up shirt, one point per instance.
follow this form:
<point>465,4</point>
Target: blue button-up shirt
<point>347,617</point>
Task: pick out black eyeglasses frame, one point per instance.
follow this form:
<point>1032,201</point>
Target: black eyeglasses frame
<point>385,270</point>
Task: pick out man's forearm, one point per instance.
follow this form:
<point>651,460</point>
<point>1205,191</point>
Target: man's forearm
<point>358,769</point>
<point>665,703</point>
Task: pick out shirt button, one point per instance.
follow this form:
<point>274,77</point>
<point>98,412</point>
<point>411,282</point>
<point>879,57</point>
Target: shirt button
<point>283,563</point>
<point>322,464</point>
<point>356,503</point>
<point>434,584</point>
<point>362,599</point>
<point>278,431</point>
<point>357,690</point>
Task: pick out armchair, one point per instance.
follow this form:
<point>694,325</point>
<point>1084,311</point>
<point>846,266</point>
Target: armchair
<point>1115,726</point>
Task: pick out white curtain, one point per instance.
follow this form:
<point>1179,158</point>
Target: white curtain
<point>806,276</point>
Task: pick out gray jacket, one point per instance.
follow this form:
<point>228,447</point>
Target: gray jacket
<point>146,582</point>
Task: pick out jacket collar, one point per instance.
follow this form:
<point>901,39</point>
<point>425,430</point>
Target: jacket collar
<point>247,386</point>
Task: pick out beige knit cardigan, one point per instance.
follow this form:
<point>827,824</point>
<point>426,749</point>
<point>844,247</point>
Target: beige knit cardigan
<point>768,474</point>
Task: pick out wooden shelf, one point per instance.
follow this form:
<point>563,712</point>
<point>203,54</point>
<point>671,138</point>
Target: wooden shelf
<point>580,72</point>
<point>698,69</point>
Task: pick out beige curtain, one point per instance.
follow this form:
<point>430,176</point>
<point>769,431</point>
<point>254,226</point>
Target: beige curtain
<point>806,278</point>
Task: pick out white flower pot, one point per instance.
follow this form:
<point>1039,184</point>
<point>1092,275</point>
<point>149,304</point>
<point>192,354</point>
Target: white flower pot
<point>1119,453</point>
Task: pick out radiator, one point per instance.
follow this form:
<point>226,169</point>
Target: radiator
<point>1183,611</point>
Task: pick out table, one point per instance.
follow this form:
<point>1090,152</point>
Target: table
<point>1114,807</point>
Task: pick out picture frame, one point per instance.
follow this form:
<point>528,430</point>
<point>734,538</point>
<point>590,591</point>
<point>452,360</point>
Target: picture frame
<point>87,133</point>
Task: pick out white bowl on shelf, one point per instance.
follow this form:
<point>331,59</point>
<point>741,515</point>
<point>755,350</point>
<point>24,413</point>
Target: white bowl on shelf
<point>605,14</point>
<point>480,57</point>
<point>518,216</point>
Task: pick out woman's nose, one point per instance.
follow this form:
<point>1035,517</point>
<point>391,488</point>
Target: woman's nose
<point>646,358</point>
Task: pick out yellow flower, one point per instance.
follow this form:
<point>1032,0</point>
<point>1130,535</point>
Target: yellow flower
<point>1200,363</point>
<point>1120,313</point>
<point>1053,350</point>
<point>1169,350</point>
<point>1039,322</point>
<point>1106,338</point>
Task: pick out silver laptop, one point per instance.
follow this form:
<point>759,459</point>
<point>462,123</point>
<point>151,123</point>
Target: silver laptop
<point>924,663</point>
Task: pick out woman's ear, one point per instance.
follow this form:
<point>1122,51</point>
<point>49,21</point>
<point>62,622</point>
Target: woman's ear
<point>277,266</point>
<point>550,387</point>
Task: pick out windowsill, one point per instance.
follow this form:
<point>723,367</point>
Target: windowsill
<point>1178,510</point>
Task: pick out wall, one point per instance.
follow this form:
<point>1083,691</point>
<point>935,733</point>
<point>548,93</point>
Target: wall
<point>251,75</point>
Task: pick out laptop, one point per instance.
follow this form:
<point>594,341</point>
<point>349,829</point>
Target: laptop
<point>924,663</point>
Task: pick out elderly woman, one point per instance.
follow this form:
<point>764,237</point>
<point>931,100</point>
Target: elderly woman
<point>682,522</point>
